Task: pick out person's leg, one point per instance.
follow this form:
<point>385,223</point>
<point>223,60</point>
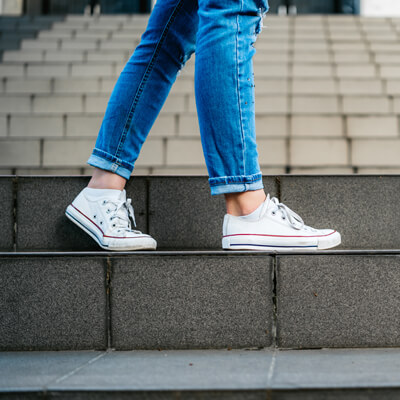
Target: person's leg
<point>143,86</point>
<point>224,85</point>
<point>102,209</point>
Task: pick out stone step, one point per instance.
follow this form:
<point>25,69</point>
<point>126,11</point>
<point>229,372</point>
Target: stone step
<point>13,30</point>
<point>33,210</point>
<point>202,374</point>
<point>185,83</point>
<point>66,142</point>
<point>268,104</point>
<point>199,299</point>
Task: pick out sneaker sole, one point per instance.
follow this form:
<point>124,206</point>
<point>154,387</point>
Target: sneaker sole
<point>244,243</point>
<point>73,216</point>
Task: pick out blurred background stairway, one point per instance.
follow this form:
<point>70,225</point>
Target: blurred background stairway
<point>327,97</point>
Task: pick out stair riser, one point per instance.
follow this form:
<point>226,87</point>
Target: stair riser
<point>185,301</point>
<point>181,214</point>
<point>143,302</point>
<point>338,301</point>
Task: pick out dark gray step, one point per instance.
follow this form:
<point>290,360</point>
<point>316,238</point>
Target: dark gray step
<point>181,214</point>
<point>141,301</point>
<point>202,374</point>
<point>194,300</point>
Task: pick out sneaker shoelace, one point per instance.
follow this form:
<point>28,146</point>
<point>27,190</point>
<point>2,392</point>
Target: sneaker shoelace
<point>122,216</point>
<point>294,219</point>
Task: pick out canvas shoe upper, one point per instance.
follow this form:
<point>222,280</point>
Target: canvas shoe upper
<point>275,227</point>
<point>108,218</point>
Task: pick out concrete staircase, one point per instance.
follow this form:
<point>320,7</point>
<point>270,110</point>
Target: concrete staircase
<point>327,88</point>
<point>135,323</point>
<point>14,29</point>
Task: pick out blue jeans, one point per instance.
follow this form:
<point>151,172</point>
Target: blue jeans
<point>222,32</point>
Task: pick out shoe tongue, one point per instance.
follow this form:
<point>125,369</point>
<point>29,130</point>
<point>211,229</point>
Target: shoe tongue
<point>266,204</point>
<point>122,195</point>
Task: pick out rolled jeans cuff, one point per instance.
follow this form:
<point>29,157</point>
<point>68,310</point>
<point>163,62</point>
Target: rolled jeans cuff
<point>107,165</point>
<point>235,184</point>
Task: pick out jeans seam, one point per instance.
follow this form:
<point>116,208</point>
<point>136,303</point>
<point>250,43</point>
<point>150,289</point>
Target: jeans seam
<point>146,75</point>
<point>238,89</point>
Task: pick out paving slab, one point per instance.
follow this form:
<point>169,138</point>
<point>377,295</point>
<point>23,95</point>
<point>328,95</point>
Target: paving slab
<point>184,215</point>
<point>35,370</point>
<point>163,395</point>
<point>337,369</point>
<point>52,303</point>
<point>173,370</point>
<point>188,302</point>
<point>338,301</point>
<point>41,220</point>
<point>362,208</point>
<point>6,213</point>
<point>204,374</point>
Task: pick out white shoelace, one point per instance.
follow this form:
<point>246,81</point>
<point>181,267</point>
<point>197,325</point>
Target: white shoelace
<point>294,219</point>
<point>122,215</point>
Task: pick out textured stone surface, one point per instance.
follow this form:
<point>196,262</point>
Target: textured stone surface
<point>6,213</point>
<point>173,370</point>
<point>361,208</point>
<point>186,302</point>
<point>183,214</point>
<point>52,303</point>
<point>35,370</point>
<point>163,395</point>
<point>202,374</point>
<point>338,301</point>
<point>336,369</point>
<point>41,220</point>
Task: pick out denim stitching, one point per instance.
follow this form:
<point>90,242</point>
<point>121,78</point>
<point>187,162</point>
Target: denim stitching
<point>145,77</point>
<point>238,89</point>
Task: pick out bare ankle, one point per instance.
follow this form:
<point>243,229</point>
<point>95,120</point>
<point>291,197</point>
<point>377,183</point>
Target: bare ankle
<point>106,180</point>
<point>244,203</point>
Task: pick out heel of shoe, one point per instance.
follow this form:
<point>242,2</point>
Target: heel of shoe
<point>226,243</point>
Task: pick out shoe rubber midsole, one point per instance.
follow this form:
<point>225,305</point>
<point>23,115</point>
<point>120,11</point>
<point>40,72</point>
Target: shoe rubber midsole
<point>258,242</point>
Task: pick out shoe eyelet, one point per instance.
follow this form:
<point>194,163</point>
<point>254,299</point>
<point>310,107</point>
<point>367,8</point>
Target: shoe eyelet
<point>108,211</point>
<point>101,222</point>
<point>113,225</point>
<point>104,201</point>
<point>283,217</point>
<point>94,216</point>
<point>273,213</point>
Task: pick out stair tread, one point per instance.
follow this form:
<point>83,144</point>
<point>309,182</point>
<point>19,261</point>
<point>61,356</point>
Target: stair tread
<point>199,370</point>
<point>197,252</point>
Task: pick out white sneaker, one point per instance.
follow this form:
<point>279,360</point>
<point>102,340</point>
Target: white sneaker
<point>106,216</point>
<point>274,226</point>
